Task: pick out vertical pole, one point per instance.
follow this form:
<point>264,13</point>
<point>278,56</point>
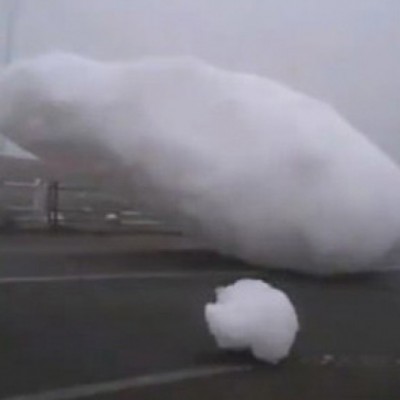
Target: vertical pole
<point>52,205</point>
<point>55,206</point>
<point>49,204</point>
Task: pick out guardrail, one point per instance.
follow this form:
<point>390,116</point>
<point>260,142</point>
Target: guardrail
<point>55,205</point>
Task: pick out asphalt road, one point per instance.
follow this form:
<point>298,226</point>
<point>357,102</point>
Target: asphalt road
<point>122,318</point>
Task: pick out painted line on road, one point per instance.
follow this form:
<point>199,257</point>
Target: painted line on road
<point>132,276</point>
<point>81,391</point>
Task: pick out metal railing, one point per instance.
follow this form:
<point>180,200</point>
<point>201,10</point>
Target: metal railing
<point>55,206</point>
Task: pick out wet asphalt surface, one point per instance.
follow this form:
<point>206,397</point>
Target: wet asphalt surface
<point>59,334</point>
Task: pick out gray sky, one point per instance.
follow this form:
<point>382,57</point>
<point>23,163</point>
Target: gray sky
<point>343,51</point>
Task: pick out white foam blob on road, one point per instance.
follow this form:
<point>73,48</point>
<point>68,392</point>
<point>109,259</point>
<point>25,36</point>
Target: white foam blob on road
<point>262,172</point>
<point>250,314</point>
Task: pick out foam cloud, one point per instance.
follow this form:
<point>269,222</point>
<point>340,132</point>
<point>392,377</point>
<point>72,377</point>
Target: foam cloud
<point>262,172</point>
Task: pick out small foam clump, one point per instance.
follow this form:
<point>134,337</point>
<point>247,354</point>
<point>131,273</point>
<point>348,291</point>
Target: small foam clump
<point>251,314</point>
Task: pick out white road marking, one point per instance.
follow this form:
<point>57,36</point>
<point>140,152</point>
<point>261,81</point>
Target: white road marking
<point>81,391</point>
<point>132,275</point>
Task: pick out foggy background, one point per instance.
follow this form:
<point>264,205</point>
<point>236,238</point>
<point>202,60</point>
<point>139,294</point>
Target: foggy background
<point>344,51</point>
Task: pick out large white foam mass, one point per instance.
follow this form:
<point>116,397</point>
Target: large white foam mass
<point>261,171</point>
<point>251,314</point>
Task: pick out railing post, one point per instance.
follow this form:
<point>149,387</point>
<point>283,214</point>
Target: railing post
<point>52,205</point>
